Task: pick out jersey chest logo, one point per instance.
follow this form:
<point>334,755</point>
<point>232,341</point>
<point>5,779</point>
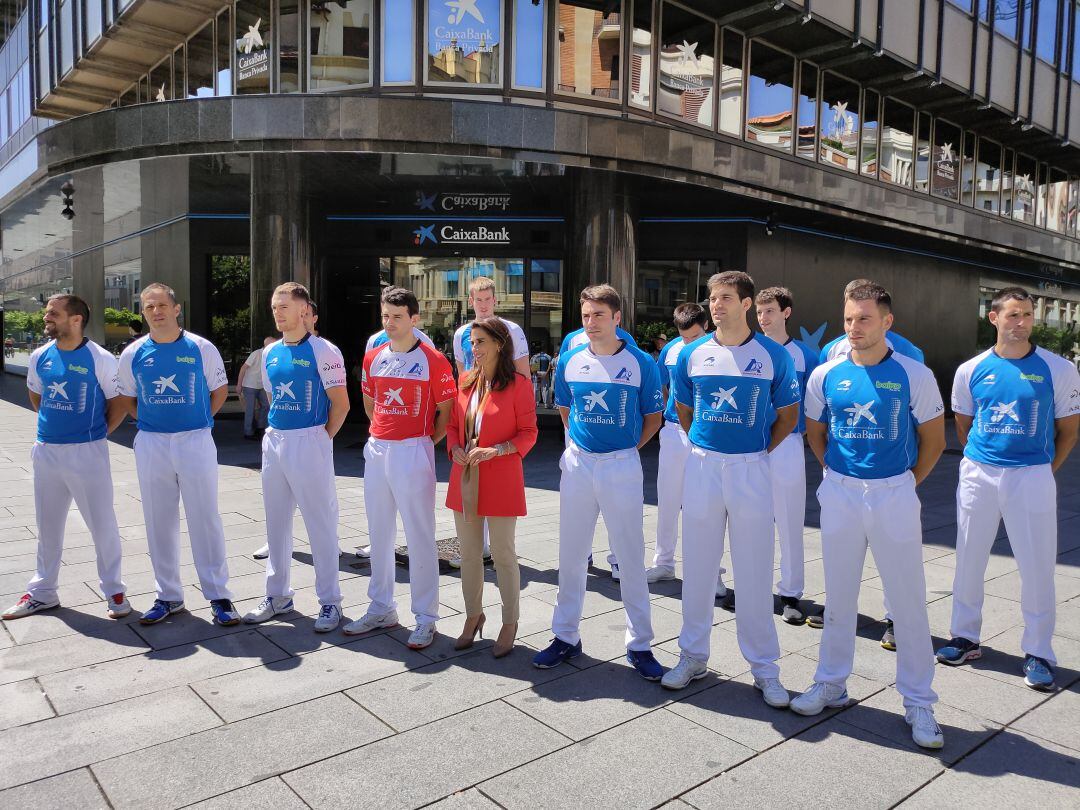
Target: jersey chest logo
<point>595,399</point>
<point>858,412</point>
<point>58,389</point>
<point>284,389</point>
<point>165,384</point>
<point>755,366</point>
<point>1003,410</point>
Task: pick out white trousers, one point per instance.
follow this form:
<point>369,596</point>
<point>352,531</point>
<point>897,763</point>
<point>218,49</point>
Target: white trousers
<point>79,472</point>
<point>787,469</point>
<point>298,470</point>
<point>729,492</point>
<point>674,451</point>
<point>608,484</point>
<point>886,514</point>
<point>399,478</point>
<point>1026,497</point>
<point>171,466</point>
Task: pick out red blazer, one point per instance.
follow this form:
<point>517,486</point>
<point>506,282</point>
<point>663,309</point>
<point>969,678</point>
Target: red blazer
<point>509,416</point>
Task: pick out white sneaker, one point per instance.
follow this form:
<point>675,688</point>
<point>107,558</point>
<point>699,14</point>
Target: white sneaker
<point>773,692</point>
<point>371,621</point>
<point>721,588</point>
<point>268,608</point>
<point>819,696</point>
<point>924,728</point>
<point>422,636</point>
<point>26,606</point>
<point>329,619</point>
<point>455,562</point>
<point>659,573</point>
<point>679,676</point>
<point>363,551</point>
<point>262,552</point>
<point>119,606</point>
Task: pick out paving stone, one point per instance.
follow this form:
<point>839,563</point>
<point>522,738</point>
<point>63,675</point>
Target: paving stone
<point>399,771</point>
<point>64,621</point>
<point>674,753</point>
<point>1057,720</point>
<point>471,799</point>
<point>973,692</point>
<point>112,641</point>
<point>23,702</point>
<point>75,740</point>
<point>212,762</point>
<point>62,792</point>
<point>1008,587</point>
<point>1003,658</point>
<point>269,794</point>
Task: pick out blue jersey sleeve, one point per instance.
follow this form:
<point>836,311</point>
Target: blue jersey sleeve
<point>823,357</point>
<point>681,386</point>
<point>563,397</point>
<point>785,383</point>
<point>651,396</point>
<point>905,347</point>
<point>662,368</point>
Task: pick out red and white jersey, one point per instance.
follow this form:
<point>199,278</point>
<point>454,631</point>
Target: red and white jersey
<point>406,388</point>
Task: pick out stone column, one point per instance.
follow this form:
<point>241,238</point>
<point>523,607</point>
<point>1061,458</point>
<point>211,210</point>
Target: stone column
<point>87,231</point>
<point>280,233</point>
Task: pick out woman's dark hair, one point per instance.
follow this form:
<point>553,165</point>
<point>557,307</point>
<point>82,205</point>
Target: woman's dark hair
<point>504,368</point>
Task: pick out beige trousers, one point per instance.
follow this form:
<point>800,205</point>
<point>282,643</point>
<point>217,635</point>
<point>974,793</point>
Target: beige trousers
<point>501,536</point>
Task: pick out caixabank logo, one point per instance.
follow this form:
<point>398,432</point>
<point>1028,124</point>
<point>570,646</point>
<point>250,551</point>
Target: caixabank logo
<point>461,235</point>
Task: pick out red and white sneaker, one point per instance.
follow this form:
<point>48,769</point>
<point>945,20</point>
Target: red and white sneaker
<point>26,606</point>
<point>119,606</point>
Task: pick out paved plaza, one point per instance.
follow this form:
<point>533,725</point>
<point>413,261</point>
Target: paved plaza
<point>102,713</point>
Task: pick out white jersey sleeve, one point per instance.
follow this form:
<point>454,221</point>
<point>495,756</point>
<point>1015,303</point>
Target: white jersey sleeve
<point>105,366</point>
<point>962,401</point>
<point>459,343</point>
<point>814,399</point>
<point>213,365</point>
<point>925,402</point>
<point>33,380</point>
<point>124,375</point>
<point>331,362</point>
<point>266,377</point>
<point>517,336</point>
<point>1066,381</point>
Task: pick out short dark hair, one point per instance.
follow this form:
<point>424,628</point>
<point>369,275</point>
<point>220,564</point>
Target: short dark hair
<point>602,294</point>
<point>73,305</point>
<point>157,286</point>
<point>734,278</point>
<point>295,290</point>
<point>314,307</point>
<point>1010,294</point>
<point>686,315</point>
<point>400,297</point>
<point>856,282</point>
<point>781,295</point>
<point>870,292</point>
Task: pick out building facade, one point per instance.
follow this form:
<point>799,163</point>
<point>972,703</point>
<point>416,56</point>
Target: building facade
<point>226,147</point>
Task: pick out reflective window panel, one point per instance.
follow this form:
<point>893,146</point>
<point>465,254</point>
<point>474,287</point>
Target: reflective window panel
<point>587,53</point>
<point>225,48</point>
<point>179,71</point>
<point>922,153</point>
<point>464,42</point>
<point>897,163</point>
<point>731,83</point>
<point>92,21</point>
<point>807,123</point>
<point>67,50</point>
<point>1041,196</point>
<point>252,45</point>
<point>967,170</point>
<point>945,172</point>
<point>1045,32</point>
<point>160,82</point>
<point>1074,202</point>
<point>545,305</point>
<point>1074,20</point>
<point>838,119</point>
<point>870,129</point>
<point>1008,190</point>
<point>988,177</point>
<point>769,111</point>
<point>1024,185</point>
<point>1005,16</point>
<point>289,45</point>
<point>398,35</point>
<point>340,38</point>
<point>530,25</point>
<point>641,72</point>
<point>200,63</point>
<point>1057,202</point>
<point>687,65</point>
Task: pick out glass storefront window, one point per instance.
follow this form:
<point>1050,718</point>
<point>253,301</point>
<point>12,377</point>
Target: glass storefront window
<point>288,46</point>
<point>988,178</point>
<point>252,44</point>
<point>225,50</point>
<point>641,73</point>
<point>945,171</point>
<point>44,82</point>
<point>769,97</point>
<point>24,298</point>
<point>967,170</point>
<point>1005,16</point>
<point>545,305</point>
<point>1041,197</point>
<point>65,31</point>
<point>838,120</point>
<point>464,43</point>
<point>340,44</point>
<point>870,129</point>
<point>922,153</point>
<point>398,41</point>
<point>161,82</point>
<point>530,25</point>
<point>1045,33</point>
<point>1007,188</point>
<point>587,53</point>
<point>200,63</point>
<point>731,83</point>
<point>1024,184</point>
<point>1057,201</point>
<point>687,66</point>
<point>1074,202</point>
<point>92,21</point>
<point>897,161</point>
<point>807,123</point>
<point>123,277</point>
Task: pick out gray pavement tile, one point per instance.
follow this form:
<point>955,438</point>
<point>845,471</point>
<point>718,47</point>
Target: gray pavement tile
<point>643,763</point>
<point>157,670</point>
<point>939,580</point>
<point>188,627</point>
<point>1011,770</point>
<point>293,680</point>
<point>23,702</point>
<point>269,794</point>
<point>61,792</point>
<point>832,764</point>
<point>1003,657</point>
<point>75,740</point>
<point>21,563</point>
<point>1007,586</point>
<point>1068,620</point>
<point>971,691</point>
<point>1057,720</point>
<point>471,799</point>
<point>209,763</point>
<point>72,594</point>
<point>64,621</point>
<point>109,642</point>
<point>400,772</point>
<point>998,616</point>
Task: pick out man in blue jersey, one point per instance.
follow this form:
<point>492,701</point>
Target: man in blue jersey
<point>1017,412</point>
<point>72,383</point>
<point>304,377</point>
<point>841,345</point>
<point>876,423</point>
<point>738,399</point>
<point>787,463</point>
<point>173,382</point>
<point>608,394</point>
<point>691,321</point>
<point>541,366</point>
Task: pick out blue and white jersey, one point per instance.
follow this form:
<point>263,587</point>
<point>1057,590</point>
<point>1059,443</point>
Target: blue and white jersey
<point>463,343</point>
<point>73,387</point>
<point>380,338</point>
<point>1013,405</point>
<point>665,365</point>
<point>805,362</point>
<point>899,344</point>
<point>735,391</point>
<point>296,379</point>
<point>872,413</point>
<point>608,396</point>
<point>172,382</point>
<point>579,338</point>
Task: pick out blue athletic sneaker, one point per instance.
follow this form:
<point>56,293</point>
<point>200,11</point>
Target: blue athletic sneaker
<point>161,611</point>
<point>1038,674</point>
<point>556,652</point>
<point>958,651</point>
<point>646,664</point>
<point>224,612</point>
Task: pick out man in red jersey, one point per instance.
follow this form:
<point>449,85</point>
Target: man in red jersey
<point>408,392</point>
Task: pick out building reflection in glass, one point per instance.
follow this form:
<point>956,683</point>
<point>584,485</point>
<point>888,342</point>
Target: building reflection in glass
<point>988,178</point>
<point>769,112</point>
<point>839,122</point>
<point>587,53</point>
<point>464,42</point>
<point>641,73</point>
<point>897,143</point>
<point>1024,179</point>
<point>340,43</point>
<point>731,83</point>
<point>808,101</point>
<point>687,66</point>
<point>946,165</point>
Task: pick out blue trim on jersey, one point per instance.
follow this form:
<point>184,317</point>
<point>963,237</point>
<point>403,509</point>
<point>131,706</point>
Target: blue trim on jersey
<point>899,344</point>
<point>72,406</point>
<point>671,413</point>
<point>805,362</point>
<point>620,333</point>
<point>298,398</point>
<point>171,386</point>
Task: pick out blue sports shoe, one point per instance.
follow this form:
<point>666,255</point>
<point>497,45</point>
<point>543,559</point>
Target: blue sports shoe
<point>958,651</point>
<point>224,612</point>
<point>1038,674</point>
<point>556,652</point>
<point>161,611</point>
<point>646,664</point>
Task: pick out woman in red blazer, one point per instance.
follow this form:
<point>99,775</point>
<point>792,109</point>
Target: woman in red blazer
<point>492,426</point>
